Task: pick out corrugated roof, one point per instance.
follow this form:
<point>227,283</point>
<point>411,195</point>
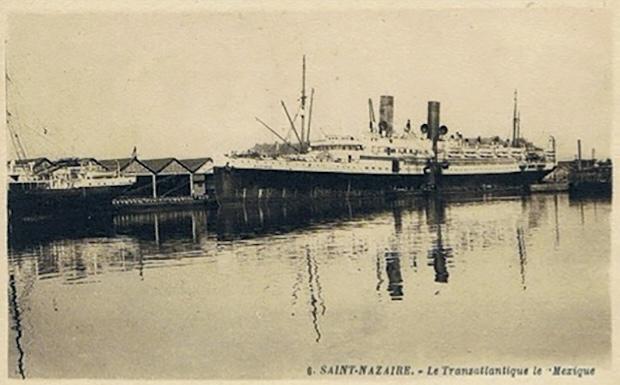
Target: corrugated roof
<point>156,165</point>
<point>75,161</point>
<point>32,160</point>
<point>114,164</point>
<point>194,163</point>
<point>68,162</point>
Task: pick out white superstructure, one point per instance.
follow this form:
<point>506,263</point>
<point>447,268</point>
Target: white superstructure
<point>407,154</point>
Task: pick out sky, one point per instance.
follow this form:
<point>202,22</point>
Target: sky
<point>190,84</point>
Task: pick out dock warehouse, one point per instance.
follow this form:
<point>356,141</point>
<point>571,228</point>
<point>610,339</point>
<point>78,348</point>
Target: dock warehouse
<point>145,178</point>
<point>164,177</point>
<point>172,178</point>
<point>202,170</point>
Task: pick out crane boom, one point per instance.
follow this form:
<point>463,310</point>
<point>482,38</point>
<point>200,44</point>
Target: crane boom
<point>276,134</point>
<point>292,124</point>
<point>310,116</point>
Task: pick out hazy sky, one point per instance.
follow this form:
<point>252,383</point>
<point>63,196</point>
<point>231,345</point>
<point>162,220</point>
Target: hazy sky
<point>191,84</point>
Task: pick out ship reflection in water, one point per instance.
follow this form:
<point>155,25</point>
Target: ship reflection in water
<point>265,291</point>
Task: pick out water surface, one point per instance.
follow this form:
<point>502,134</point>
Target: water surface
<point>265,292</point>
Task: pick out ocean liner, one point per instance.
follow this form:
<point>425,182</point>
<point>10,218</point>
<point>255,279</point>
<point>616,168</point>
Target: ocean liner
<point>382,161</point>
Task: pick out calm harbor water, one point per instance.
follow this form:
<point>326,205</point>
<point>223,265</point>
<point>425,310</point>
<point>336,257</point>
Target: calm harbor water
<point>265,292</point>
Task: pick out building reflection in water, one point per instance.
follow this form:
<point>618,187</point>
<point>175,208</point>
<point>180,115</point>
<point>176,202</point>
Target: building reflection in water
<point>123,242</point>
<point>81,249</point>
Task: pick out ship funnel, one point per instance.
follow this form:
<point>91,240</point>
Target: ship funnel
<point>386,115</point>
<point>579,154</point>
<point>433,120</point>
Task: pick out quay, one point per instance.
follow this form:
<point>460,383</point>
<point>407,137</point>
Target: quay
<point>162,202</point>
<point>177,183</point>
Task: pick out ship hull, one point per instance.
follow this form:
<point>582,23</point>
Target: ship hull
<point>34,202</point>
<point>493,181</point>
<point>234,185</point>
<point>589,188</point>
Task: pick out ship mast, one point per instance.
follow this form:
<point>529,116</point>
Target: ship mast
<point>303,103</point>
<point>515,120</point>
<point>309,117</point>
<point>303,135</point>
<point>519,128</point>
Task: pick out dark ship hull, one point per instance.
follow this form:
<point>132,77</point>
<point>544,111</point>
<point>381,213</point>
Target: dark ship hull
<point>590,188</point>
<point>590,180</point>
<point>41,201</point>
<point>235,185</point>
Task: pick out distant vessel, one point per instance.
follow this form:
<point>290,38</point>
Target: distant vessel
<point>383,162</point>
<point>39,186</point>
<point>589,176</point>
